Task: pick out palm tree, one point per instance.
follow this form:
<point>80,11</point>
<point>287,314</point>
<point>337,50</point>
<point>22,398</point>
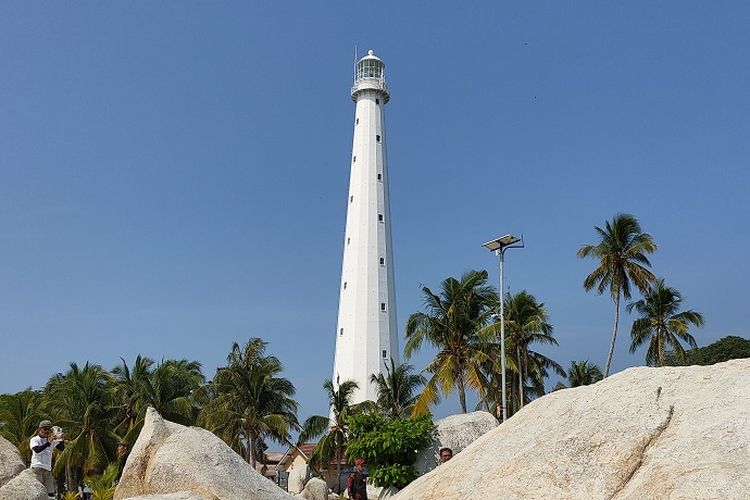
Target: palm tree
<point>251,401</point>
<point>396,389</point>
<point>101,486</point>
<point>452,323</point>
<point>81,401</point>
<point>334,429</point>
<point>662,325</point>
<point>526,323</point>
<point>583,373</point>
<point>20,414</point>
<point>170,388</point>
<point>622,253</point>
<point>130,393</point>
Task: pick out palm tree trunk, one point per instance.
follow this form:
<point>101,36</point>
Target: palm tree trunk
<point>520,377</point>
<point>614,335</point>
<point>338,467</point>
<point>69,478</point>
<point>250,449</point>
<point>660,351</point>
<point>462,392</point>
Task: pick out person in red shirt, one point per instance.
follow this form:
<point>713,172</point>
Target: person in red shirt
<point>357,483</point>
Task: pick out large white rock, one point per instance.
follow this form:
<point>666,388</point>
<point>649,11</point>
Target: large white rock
<point>315,489</point>
<point>11,463</point>
<point>25,486</point>
<point>455,432</point>
<point>182,495</point>
<point>645,433</point>
<point>297,479</point>
<point>172,458</point>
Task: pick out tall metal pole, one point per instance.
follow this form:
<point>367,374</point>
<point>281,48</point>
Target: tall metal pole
<point>501,253</point>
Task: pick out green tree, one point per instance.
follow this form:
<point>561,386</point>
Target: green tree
<point>527,323</point>
<point>731,347</point>
<point>622,263</point>
<point>251,401</point>
<point>396,389</point>
<point>169,386</point>
<point>452,323</point>
<point>661,325</point>
<point>101,486</point>
<point>583,373</point>
<point>170,389</point>
<point>20,414</point>
<point>81,402</point>
<point>388,445</point>
<point>333,431</point>
<point>130,392</point>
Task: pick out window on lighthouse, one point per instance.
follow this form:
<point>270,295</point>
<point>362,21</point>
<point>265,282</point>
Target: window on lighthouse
<point>380,177</point>
<point>377,137</point>
<point>377,101</point>
<point>385,354</point>
<point>382,306</point>
<point>382,261</point>
<point>380,217</point>
<point>341,332</point>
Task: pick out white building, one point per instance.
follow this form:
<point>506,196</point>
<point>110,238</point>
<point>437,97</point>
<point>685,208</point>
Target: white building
<point>366,332</point>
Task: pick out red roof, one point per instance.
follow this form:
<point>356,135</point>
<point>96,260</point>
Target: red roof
<point>307,448</point>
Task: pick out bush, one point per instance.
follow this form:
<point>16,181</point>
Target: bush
<point>724,349</point>
<point>389,446</point>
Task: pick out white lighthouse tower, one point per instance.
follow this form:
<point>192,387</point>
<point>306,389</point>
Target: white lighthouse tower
<point>366,334</point>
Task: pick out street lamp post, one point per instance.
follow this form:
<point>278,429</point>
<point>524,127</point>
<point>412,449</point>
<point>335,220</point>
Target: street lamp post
<point>498,246</point>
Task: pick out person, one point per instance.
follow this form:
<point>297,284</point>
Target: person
<point>41,454</point>
<point>445,455</point>
<point>122,457</point>
<point>357,484</point>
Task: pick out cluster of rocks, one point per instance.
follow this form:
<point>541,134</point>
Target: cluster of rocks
<point>657,433</point>
<point>643,433</point>
<point>16,481</point>
<point>173,462</point>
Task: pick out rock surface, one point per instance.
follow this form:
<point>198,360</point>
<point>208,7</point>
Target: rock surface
<point>676,432</point>
<point>11,463</point>
<point>315,489</point>
<point>171,458</point>
<point>455,432</point>
<point>24,486</point>
<point>181,495</point>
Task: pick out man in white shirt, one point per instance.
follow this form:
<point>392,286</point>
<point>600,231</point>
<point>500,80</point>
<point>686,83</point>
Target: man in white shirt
<point>41,454</point>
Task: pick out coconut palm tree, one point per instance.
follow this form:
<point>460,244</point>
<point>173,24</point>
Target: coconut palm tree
<point>170,388</point>
<point>101,486</point>
<point>396,389</point>
<point>453,322</point>
<point>622,254</point>
<point>81,402</point>
<point>537,368</point>
<point>20,414</point>
<point>661,325</point>
<point>583,373</point>
<point>333,429</point>
<point>251,401</point>
<point>526,323</point>
<point>130,393</point>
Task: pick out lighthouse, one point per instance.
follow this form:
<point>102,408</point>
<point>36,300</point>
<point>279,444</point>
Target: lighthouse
<point>366,331</point>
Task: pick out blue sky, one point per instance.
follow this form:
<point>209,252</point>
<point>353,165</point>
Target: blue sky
<point>173,175</point>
